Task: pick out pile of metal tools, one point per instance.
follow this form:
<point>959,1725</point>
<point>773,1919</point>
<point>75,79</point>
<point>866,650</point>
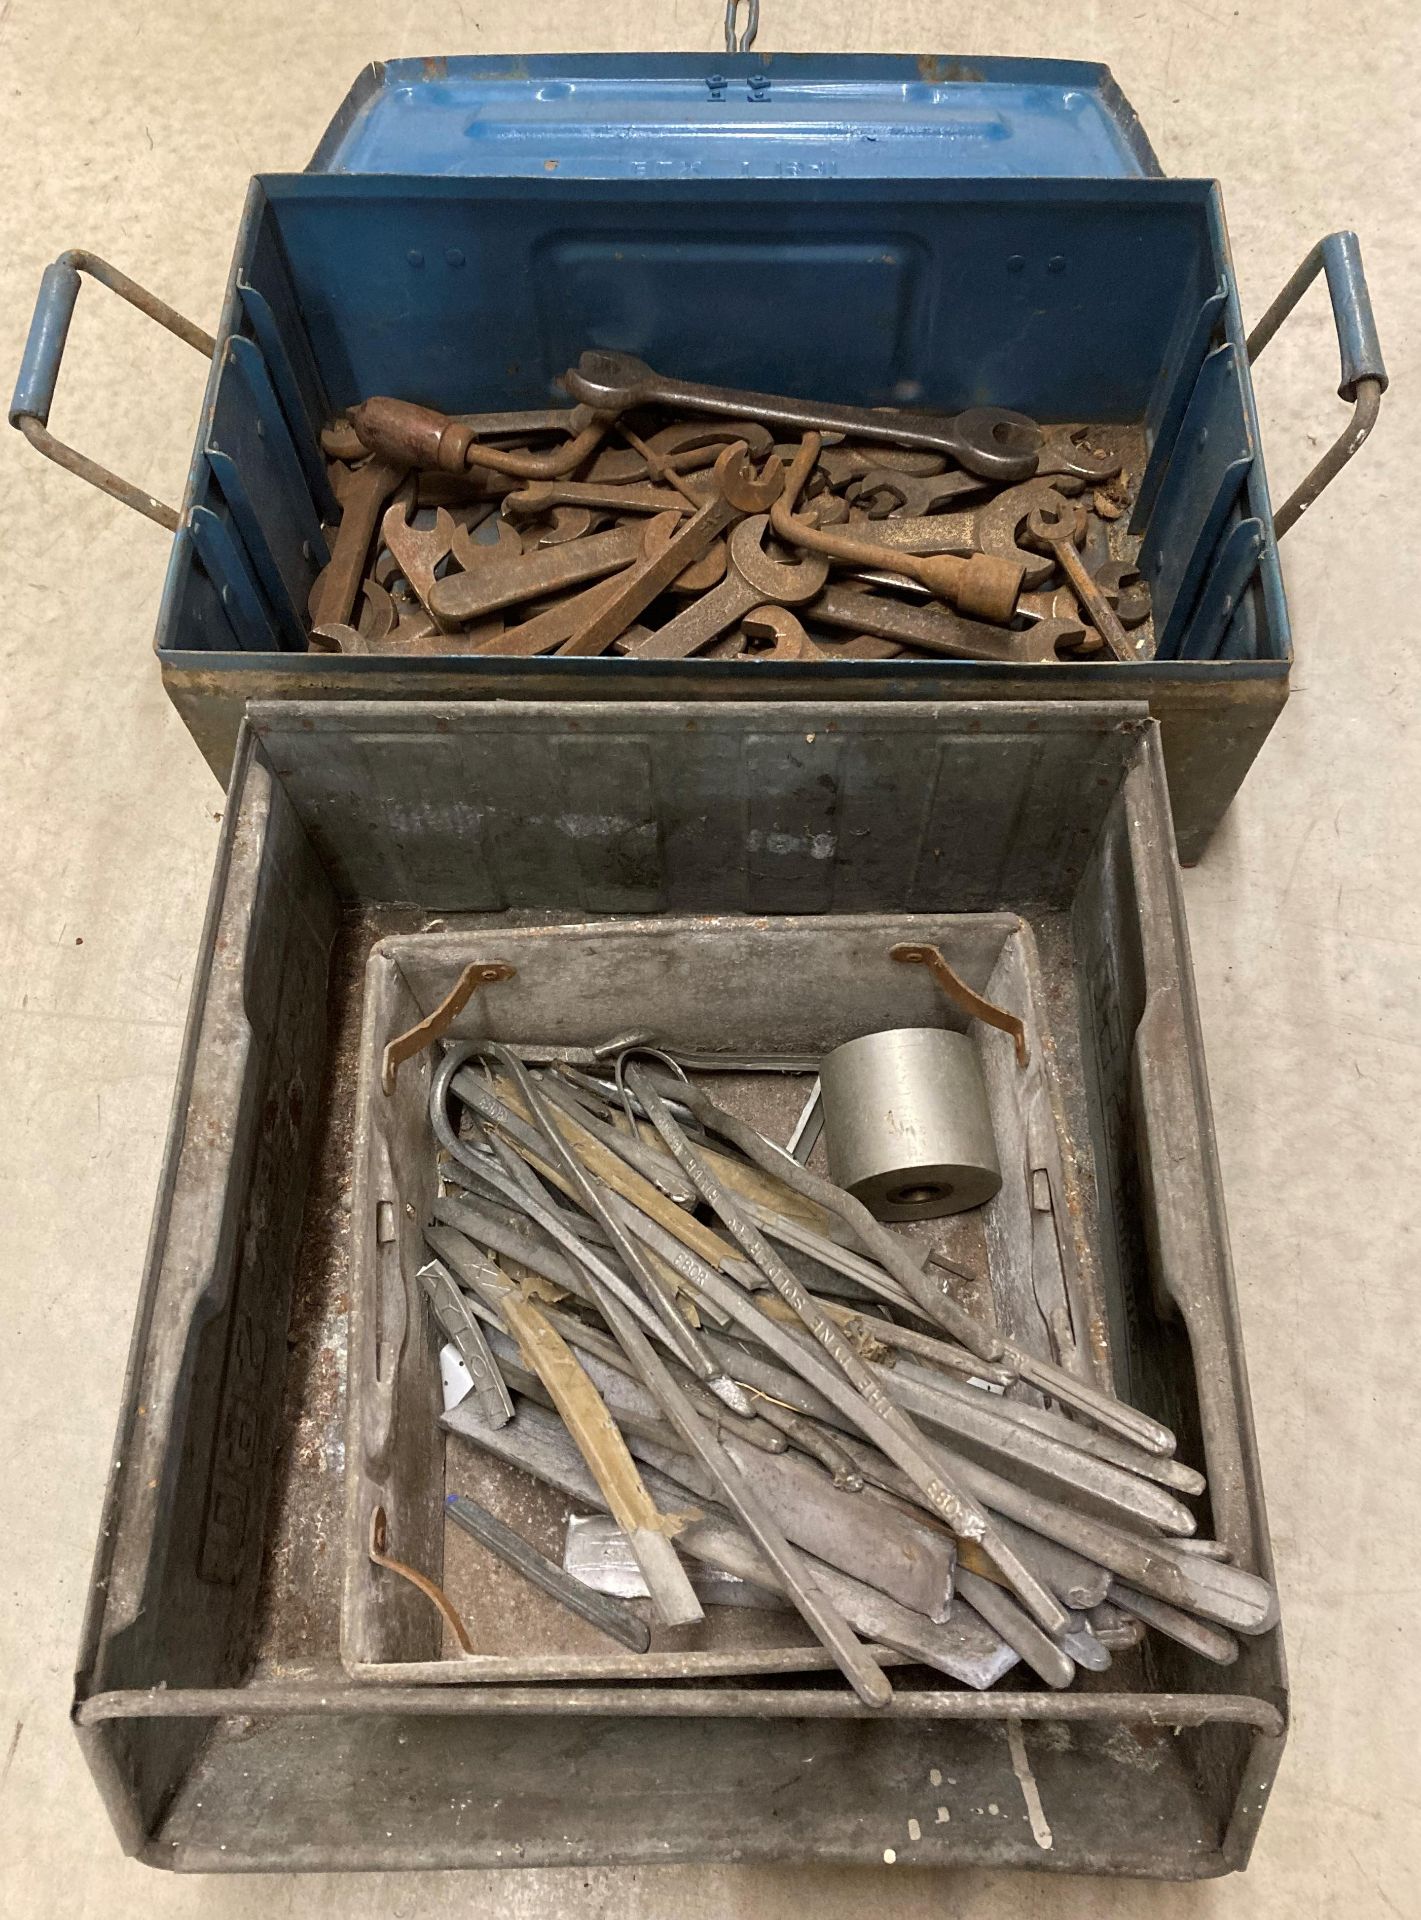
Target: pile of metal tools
<point>661,519</point>
<point>761,1390</point>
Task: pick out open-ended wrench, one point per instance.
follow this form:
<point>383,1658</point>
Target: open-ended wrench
<point>545,632</point>
<point>1057,524</point>
<point>737,492</point>
<point>935,629</point>
<point>784,632</point>
<point>542,496</point>
<point>369,488</point>
<point>981,584</point>
<point>418,551</point>
<point>688,445</point>
<point>843,464</point>
<point>991,528</point>
<point>884,490</point>
<point>1125,588</point>
<point>500,582</point>
<point>992,441</point>
<point>752,579</point>
<point>1064,451</point>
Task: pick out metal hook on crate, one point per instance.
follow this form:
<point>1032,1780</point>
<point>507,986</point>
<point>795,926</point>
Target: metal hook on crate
<point>382,1557</point>
<point>752,26</point>
<point>919,953</point>
<point>478,973</point>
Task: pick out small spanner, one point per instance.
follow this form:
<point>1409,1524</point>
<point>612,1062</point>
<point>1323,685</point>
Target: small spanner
<point>1057,524</point>
<point>690,444</point>
<point>992,441</point>
<point>737,493</point>
<point>546,631</point>
<point>936,629</point>
<point>752,579</point>
<point>418,551</point>
<point>1125,587</point>
<point>561,525</point>
<point>469,551</point>
<point>1064,451</point>
<point>788,640</point>
<point>884,490</point>
<point>500,582</point>
<point>843,464</point>
<point>990,528</point>
<point>982,584</point>
<point>541,496</point>
<point>339,583</point>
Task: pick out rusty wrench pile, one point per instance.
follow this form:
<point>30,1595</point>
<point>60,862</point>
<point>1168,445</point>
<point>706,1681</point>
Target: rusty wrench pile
<point>666,520</point>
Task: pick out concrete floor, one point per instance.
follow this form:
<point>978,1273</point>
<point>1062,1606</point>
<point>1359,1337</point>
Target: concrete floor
<point>132,129</point>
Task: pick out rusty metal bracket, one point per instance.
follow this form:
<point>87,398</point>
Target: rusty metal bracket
<point>426,1586</point>
<point>39,370</point>
<point>478,973</point>
<point>919,953</point>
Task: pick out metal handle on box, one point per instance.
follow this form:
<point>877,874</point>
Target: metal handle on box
<point>746,38</point>
<point>39,370</point>
<point>1364,379</point>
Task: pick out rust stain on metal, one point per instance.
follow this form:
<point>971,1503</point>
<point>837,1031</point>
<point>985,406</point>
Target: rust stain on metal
<point>939,71</point>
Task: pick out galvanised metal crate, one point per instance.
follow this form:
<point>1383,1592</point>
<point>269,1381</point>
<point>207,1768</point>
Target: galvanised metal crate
<point>878,229</point>
<point>701,891</point>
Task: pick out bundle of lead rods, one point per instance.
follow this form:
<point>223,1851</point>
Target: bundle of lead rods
<point>732,1358</point>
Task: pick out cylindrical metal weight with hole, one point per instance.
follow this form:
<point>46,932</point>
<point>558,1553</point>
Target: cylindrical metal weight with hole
<point>906,1123</point>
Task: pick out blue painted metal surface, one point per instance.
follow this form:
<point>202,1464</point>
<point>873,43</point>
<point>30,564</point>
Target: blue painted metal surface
<point>854,228</point>
<point>280,347</point>
<point>44,349</point>
<point>1056,297</point>
<point>224,560</point>
<point>1214,452</point>
<point>253,463</point>
<point>731,117</point>
<point>1234,564</point>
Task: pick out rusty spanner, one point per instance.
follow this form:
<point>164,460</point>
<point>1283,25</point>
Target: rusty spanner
<point>935,629</point>
<point>788,640</point>
<point>369,488</point>
<point>690,445</point>
<point>1057,524</point>
<point>843,464</point>
<point>504,582</point>
<point>1125,587</point>
<point>752,579</point>
<point>1064,451</point>
<point>418,551</point>
<point>884,490</point>
<point>499,537</point>
<point>546,631</point>
<point>541,496</point>
<point>981,583</point>
<point>991,528</point>
<point>993,441</point>
<point>737,493</point>
<point>561,525</point>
